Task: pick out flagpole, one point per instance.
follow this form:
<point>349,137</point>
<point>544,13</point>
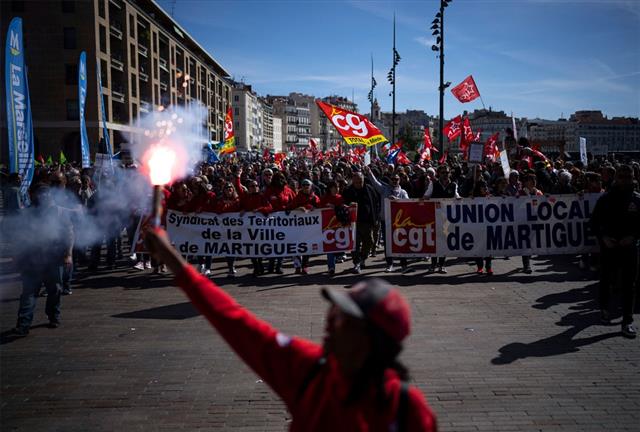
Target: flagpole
<point>375,147</point>
<point>393,113</point>
<point>483,107</point>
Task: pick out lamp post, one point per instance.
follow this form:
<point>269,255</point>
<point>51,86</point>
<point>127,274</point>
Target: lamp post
<point>391,77</point>
<point>437,25</point>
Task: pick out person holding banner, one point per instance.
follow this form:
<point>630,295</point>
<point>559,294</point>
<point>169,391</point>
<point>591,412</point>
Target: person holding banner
<point>352,382</point>
<point>392,192</point>
<point>279,196</point>
<point>442,188</point>
<point>304,201</point>
<point>368,209</point>
<point>616,223</point>
<point>528,189</point>
<point>332,199</point>
<point>253,201</point>
<point>229,202</point>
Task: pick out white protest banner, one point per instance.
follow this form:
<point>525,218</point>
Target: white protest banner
<point>583,151</point>
<point>255,235</point>
<point>504,160</point>
<point>476,152</point>
<point>495,226</point>
<point>367,158</point>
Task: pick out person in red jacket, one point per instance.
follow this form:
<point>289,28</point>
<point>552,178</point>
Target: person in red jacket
<point>305,200</point>
<point>202,200</point>
<point>280,196</point>
<point>352,382</point>
<point>228,202</point>
<point>254,201</point>
<point>331,199</point>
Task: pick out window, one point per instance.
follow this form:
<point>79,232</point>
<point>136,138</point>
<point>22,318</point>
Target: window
<point>132,56</point>
<point>155,68</point>
<point>155,42</point>
<point>104,70</point>
<point>132,26</point>
<point>69,37</point>
<point>106,107</point>
<point>68,6</point>
<point>101,9</point>
<point>103,39</point>
<point>134,86</point>
<point>134,111</point>
<point>236,111</point>
<point>71,74</point>
<point>73,111</point>
<point>236,98</point>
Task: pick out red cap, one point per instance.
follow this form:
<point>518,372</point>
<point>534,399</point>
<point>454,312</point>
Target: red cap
<point>376,301</point>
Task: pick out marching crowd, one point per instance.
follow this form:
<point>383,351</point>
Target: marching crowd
<point>260,185</point>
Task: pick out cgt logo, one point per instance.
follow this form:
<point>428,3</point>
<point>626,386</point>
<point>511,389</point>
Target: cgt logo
<point>335,236</point>
<point>412,228</point>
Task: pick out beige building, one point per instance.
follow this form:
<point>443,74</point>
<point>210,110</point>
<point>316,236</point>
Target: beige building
<point>147,61</point>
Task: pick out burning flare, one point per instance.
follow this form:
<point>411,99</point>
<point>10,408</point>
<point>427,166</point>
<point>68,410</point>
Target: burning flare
<point>161,160</point>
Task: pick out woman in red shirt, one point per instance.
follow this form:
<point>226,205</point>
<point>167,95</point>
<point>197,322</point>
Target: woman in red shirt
<point>331,199</point>
<point>280,196</point>
<point>254,201</point>
<point>352,382</point>
<point>228,202</point>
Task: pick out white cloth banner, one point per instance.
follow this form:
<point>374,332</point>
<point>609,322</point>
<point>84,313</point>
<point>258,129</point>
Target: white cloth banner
<point>480,227</point>
<point>583,151</point>
<point>255,235</point>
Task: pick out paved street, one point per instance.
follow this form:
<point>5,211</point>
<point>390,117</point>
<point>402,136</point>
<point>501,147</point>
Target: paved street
<point>512,352</point>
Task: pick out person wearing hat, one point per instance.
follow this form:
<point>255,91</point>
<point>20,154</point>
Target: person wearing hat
<point>352,382</point>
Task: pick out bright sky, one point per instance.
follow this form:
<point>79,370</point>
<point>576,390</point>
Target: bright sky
<point>537,58</point>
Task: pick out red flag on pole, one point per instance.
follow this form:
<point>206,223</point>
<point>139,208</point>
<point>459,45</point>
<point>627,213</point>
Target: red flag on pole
<point>466,91</point>
<point>491,147</point>
<point>453,129</point>
<point>402,158</point>
<point>443,159</point>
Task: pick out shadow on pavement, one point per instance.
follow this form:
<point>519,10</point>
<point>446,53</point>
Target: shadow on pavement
<point>586,314</point>
<point>177,311</point>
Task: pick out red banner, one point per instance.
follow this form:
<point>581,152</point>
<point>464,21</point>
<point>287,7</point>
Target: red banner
<point>355,128</point>
<point>466,91</point>
<point>413,228</point>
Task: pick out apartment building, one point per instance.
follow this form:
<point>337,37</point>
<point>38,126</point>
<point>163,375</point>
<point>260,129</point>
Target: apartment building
<point>248,118</point>
<point>147,62</point>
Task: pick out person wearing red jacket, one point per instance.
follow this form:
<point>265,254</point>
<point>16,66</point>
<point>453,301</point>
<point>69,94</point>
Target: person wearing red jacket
<point>331,199</point>
<point>280,196</point>
<point>352,382</point>
<point>254,201</point>
<point>229,202</point>
<point>202,200</point>
<point>305,200</point>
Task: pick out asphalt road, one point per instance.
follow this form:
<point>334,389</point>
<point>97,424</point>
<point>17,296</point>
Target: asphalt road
<point>511,352</point>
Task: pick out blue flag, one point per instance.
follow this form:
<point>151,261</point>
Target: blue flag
<point>19,122</point>
<point>82,98</point>
<point>211,156</point>
<point>105,131</point>
<point>393,155</point>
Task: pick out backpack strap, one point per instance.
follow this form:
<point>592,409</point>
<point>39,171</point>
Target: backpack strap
<point>403,407</point>
<point>313,371</point>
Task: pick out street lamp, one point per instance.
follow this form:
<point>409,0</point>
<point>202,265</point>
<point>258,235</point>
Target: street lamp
<point>437,25</point>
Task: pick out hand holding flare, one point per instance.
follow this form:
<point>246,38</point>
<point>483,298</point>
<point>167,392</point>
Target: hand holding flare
<point>160,161</point>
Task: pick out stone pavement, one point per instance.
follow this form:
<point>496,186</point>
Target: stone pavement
<point>511,352</point>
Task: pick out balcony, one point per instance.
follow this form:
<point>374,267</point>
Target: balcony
<point>116,29</point>
<point>117,64</point>
<point>163,86</point>
<point>117,96</point>
<point>145,106</point>
<point>143,76</point>
<point>163,64</point>
<point>142,50</point>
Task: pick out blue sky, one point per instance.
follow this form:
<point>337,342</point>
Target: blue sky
<point>537,58</point>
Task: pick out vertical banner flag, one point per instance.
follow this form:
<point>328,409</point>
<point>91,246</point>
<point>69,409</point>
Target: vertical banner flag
<point>19,122</point>
<point>504,161</point>
<point>82,99</point>
<point>466,91</point>
<point>105,131</point>
<point>583,151</point>
<point>355,128</point>
<point>453,129</point>
<point>515,129</point>
<point>229,145</point>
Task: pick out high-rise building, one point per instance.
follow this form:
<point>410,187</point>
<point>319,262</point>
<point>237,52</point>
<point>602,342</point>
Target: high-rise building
<point>248,118</point>
<point>147,61</point>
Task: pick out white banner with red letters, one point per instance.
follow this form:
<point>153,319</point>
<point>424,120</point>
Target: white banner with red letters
<point>255,235</point>
<point>494,226</point>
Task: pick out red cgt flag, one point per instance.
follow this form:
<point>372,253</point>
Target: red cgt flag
<point>354,128</point>
<point>453,129</point>
<point>466,91</point>
<point>491,147</point>
<point>444,157</point>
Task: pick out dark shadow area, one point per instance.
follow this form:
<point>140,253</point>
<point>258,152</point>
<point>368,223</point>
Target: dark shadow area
<point>587,314</point>
<point>177,311</point>
<point>8,336</point>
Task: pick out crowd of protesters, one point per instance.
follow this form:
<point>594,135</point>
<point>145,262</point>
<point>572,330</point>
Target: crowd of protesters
<point>299,183</point>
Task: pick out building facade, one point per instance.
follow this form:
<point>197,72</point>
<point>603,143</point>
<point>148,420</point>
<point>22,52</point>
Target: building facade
<point>248,118</point>
<point>147,62</point>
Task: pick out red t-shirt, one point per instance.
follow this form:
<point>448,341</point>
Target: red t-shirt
<point>284,363</point>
